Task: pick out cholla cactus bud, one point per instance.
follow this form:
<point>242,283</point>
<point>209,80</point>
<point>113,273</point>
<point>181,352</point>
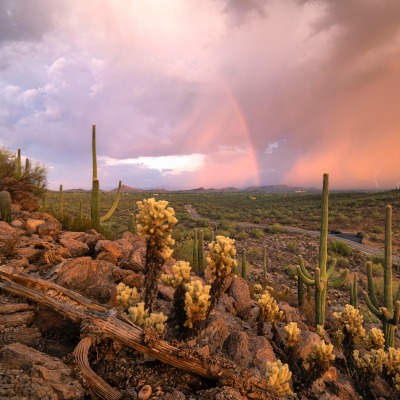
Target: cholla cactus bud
<point>140,317</point>
<point>350,321</point>
<point>197,302</point>
<point>371,363</point>
<point>321,355</point>
<point>221,257</point>
<point>180,274</point>
<point>320,331</point>
<point>393,361</point>
<point>278,376</point>
<point>269,310</point>
<point>376,339</point>
<point>156,220</point>
<point>126,296</point>
<point>292,334</point>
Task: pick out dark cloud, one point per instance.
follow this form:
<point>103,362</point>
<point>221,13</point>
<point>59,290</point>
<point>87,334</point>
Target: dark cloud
<point>26,20</point>
<point>241,10</point>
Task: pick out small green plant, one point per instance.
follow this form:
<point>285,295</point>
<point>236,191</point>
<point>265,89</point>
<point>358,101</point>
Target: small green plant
<point>340,248</point>
<point>244,264</point>
<point>195,259</point>
<point>276,228</point>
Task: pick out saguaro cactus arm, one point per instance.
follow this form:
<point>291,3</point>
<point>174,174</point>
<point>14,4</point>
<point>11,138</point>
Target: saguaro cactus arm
<point>339,280</point>
<point>114,206</point>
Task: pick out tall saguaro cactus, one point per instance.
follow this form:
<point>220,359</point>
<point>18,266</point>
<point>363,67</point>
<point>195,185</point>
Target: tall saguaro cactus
<point>95,205</point>
<point>322,277</point>
<point>19,165</point>
<point>388,314</point>
<point>195,262</point>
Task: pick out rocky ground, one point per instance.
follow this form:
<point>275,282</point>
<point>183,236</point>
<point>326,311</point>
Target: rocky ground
<point>36,342</point>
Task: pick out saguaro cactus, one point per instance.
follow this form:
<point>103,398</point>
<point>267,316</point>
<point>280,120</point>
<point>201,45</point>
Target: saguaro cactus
<point>19,165</point>
<point>95,205</point>
<point>265,263</point>
<point>354,292</point>
<point>388,314</point>
<point>322,277</point>
<point>244,264</point>
<point>5,206</point>
<point>132,224</point>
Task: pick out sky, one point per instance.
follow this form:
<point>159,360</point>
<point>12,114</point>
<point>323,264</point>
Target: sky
<point>210,93</point>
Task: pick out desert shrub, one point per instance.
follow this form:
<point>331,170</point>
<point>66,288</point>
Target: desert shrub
<point>293,246</point>
<point>276,228</point>
<point>338,247</point>
<point>254,254</point>
<point>377,229</point>
<point>256,233</point>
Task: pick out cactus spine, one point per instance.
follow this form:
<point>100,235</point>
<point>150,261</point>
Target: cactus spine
<point>132,224</point>
<point>5,206</point>
<point>322,277</point>
<point>354,292</point>
<point>200,251</point>
<point>244,270</point>
<point>388,314</point>
<point>95,204</point>
<point>195,263</point>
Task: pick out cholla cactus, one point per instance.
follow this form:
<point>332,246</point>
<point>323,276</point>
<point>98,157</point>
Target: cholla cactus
<point>197,302</point>
<point>141,317</point>
<point>155,220</point>
<point>393,361</point>
<point>350,322</point>
<point>221,257</point>
<point>221,260</point>
<point>321,355</point>
<point>257,290</point>
<point>269,309</point>
<point>126,296</point>
<point>292,334</point>
<point>396,382</point>
<point>376,339</point>
<point>371,363</point>
<point>180,274</point>
<point>278,376</point>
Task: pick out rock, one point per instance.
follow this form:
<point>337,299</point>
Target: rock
<point>92,278</point>
<point>8,239</point>
<point>32,224</point>
<point>47,375</point>
<point>136,260</point>
<point>239,291</point>
<point>262,352</point>
<point>109,246</point>
<point>106,256</point>
<point>291,314</point>
<point>236,347</point>
<point>134,280</point>
<point>165,292</point>
<point>307,341</point>
<point>215,334</point>
<point>75,247</point>
<point>30,253</point>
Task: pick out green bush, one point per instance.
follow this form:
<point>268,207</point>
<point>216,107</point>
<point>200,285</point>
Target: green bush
<point>276,228</point>
<point>340,248</point>
<point>256,233</point>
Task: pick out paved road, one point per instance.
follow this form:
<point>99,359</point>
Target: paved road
<point>369,250</point>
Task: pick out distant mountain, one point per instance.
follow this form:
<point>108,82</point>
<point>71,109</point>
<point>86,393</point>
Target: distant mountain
<point>76,191</point>
<point>157,190</point>
<point>126,188</point>
<point>279,189</point>
<point>212,190</point>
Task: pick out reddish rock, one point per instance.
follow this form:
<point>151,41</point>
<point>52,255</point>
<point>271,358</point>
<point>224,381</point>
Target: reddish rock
<point>262,352</point>
<point>215,334</point>
<point>46,375</point>
<point>134,280</point>
<point>75,247</point>
<point>92,278</point>
<point>32,224</point>
<point>239,291</point>
<point>236,347</point>
<point>106,256</point>
<point>136,260</point>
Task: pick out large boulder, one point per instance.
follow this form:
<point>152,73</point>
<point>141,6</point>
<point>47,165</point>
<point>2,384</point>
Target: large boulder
<point>38,376</point>
<point>8,239</point>
<point>239,291</point>
<point>75,247</point>
<point>92,278</point>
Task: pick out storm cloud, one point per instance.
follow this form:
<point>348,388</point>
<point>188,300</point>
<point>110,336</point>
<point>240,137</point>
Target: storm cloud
<point>223,92</point>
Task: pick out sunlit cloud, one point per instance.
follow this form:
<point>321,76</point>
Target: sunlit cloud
<point>167,165</point>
